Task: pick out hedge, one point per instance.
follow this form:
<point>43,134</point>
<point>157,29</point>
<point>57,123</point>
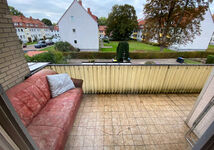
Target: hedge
<point>210,59</point>
<point>137,55</point>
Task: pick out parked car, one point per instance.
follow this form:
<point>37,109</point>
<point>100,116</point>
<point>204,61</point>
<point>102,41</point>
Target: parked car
<point>49,42</point>
<point>54,40</point>
<point>40,44</point>
<point>24,45</point>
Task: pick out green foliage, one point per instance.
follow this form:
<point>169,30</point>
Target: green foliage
<point>121,22</point>
<point>15,12</point>
<point>173,22</point>
<point>210,59</point>
<point>47,22</point>
<point>102,21</point>
<point>138,55</point>
<point>55,57</point>
<point>64,47</point>
<point>122,51</point>
<point>106,40</point>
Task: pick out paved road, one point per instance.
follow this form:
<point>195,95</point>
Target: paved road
<point>32,48</point>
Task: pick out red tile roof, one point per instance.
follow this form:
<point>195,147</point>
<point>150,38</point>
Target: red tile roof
<point>26,22</point>
<point>56,28</point>
<point>93,16</point>
<point>102,28</point>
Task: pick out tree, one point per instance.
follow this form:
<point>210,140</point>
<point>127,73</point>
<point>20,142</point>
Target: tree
<point>15,12</point>
<point>121,22</point>
<point>47,22</point>
<point>102,21</point>
<point>173,22</point>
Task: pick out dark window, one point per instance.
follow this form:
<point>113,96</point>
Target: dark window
<point>75,41</point>
<point>74,30</point>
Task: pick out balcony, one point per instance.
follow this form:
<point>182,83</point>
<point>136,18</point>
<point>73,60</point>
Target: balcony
<point>128,121</point>
<point>134,106</point>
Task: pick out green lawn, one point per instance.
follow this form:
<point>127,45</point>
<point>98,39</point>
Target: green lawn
<point>210,48</point>
<point>134,46</point>
<point>188,61</point>
<point>48,48</point>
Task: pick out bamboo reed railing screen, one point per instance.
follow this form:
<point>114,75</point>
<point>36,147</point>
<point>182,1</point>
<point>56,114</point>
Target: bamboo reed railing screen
<point>138,79</point>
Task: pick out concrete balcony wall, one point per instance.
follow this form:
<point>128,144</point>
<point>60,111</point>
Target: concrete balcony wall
<point>138,78</point>
<point>13,66</point>
<point>205,97</point>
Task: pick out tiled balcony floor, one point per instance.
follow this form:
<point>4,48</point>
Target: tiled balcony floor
<point>134,122</point>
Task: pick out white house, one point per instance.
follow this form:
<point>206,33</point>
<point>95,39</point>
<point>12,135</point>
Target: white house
<point>30,29</point>
<point>79,27</point>
<point>200,42</point>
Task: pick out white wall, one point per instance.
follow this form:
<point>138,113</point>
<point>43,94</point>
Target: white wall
<point>202,101</point>
<point>86,27</point>
<point>200,43</point>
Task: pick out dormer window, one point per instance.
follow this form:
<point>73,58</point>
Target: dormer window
<point>16,24</point>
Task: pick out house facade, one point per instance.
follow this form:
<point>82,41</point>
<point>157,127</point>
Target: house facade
<point>79,27</point>
<point>102,31</point>
<point>30,29</point>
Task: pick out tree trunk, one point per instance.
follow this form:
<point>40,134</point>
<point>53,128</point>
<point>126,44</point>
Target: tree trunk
<point>161,48</point>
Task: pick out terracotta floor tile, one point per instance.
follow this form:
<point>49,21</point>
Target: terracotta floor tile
<point>138,122</point>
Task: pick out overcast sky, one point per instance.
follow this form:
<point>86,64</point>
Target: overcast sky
<point>54,9</point>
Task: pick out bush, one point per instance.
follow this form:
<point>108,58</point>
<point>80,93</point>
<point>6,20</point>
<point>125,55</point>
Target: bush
<point>64,47</point>
<point>138,55</point>
<point>55,57</point>
<point>122,51</point>
<point>150,62</point>
<point>210,59</point>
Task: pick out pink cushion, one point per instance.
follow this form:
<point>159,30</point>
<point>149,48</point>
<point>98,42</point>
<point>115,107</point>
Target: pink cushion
<point>47,138</point>
<point>39,79</point>
<point>59,111</point>
<point>30,96</point>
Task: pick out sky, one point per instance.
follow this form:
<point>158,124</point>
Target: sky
<point>54,9</point>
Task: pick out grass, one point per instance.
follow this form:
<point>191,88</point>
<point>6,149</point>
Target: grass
<point>134,46</point>
<point>49,48</point>
<point>31,43</point>
<point>210,48</point>
<point>189,61</point>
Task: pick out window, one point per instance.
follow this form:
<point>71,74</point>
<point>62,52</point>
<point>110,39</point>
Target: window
<point>74,30</point>
<point>20,24</point>
<point>75,41</point>
<point>20,36</point>
<point>22,30</point>
<point>16,24</point>
<point>72,18</point>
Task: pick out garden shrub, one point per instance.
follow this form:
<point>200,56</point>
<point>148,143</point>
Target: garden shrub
<point>138,55</point>
<point>54,57</point>
<point>64,47</point>
<point>122,51</point>
<point>149,62</point>
<point>210,59</point>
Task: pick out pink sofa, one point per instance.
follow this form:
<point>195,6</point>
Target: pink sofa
<point>47,119</point>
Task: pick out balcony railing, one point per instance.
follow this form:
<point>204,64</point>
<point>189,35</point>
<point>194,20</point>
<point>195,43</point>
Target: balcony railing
<point>138,78</point>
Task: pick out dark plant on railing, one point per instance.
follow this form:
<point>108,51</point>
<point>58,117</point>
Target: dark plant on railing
<point>123,52</point>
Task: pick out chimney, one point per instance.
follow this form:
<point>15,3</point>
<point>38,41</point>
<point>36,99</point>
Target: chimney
<point>80,2</point>
<point>89,11</point>
<point>31,18</point>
